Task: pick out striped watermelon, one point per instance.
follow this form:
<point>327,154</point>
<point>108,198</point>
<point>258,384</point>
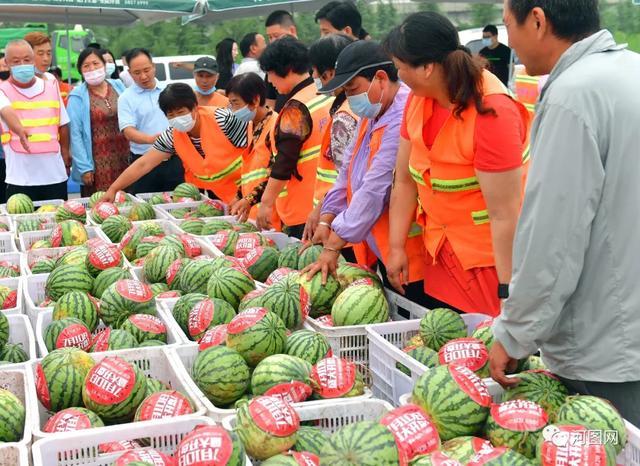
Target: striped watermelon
<point>60,376</point>
<point>414,432</point>
<point>95,198</point>
<point>43,265</point>
<point>230,285</point>
<point>130,241</point>
<point>46,209</point>
<point>102,211</point>
<point>466,447</point>
<point>516,424</point>
<point>112,339</point>
<point>214,226</point>
<point>557,448</point>
<point>310,439</point>
<point>4,330</point>
<point>173,277</point>
<point>256,333</point>
<point>71,210</point>
<point>71,420</point>
<point>182,212</point>
<point>113,389</point>
<point>161,198</point>
<point>8,297</point>
<point>164,404</point>
<point>67,332</point>
<point>596,414</point>
<point>221,373</point>
<point>124,298</point>
<point>107,278</point>
<point>440,325</point>
<point>207,314</point>
<point>158,261</point>
<point>173,241</point>
<point>77,304</point>
<point>289,256</point>
<point>142,211</point>
<point>360,305</point>
<point>252,299</point>
<point>31,224</point>
<point>206,442</point>
<point>278,274</point>
<point>277,375</point>
<point>116,227</point>
<point>12,417</point>
<point>182,308</point>
<point>500,456</point>
<point>102,257</point>
<point>186,190</point>
<point>213,337</point>
<point>484,334</point>
<point>224,240</point>
<point>158,288</point>
<point>437,458</point>
<point>13,353</point>
<point>455,398</point>
<point>335,377</point>
<point>149,343</point>
<point>68,233</point>
<point>422,354</point>
<point>309,256</point>
<point>321,296</point>
<point>196,276</point>
<point>260,262</point>
<point>308,345</point>
<point>19,204</point>
<point>193,226</point>
<point>364,443</point>
<point>40,244</point>
<point>288,300</point>
<point>293,458</point>
<point>146,245</point>
<point>155,385</point>
<point>469,352</point>
<point>210,208</point>
<point>541,387</point>
<point>74,256</point>
<point>350,272</point>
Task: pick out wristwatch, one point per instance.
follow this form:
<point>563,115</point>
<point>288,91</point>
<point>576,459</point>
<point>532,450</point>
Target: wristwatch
<point>503,290</point>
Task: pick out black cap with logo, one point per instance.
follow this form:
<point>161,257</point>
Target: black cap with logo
<point>207,64</point>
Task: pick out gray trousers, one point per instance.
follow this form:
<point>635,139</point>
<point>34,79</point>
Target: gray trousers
<point>625,396</point>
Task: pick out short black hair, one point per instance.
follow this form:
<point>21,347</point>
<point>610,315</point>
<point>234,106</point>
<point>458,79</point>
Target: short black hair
<point>491,29</point>
<point>284,56</point>
<point>176,96</point>
<point>247,41</point>
<point>572,20</point>
<point>133,53</point>
<point>324,52</point>
<point>341,14</point>
<point>248,86</point>
<point>56,71</point>
<point>95,45</point>
<point>281,17</point>
<point>87,53</point>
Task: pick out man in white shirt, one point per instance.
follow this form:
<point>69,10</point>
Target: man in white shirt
<point>41,172</point>
<point>251,46</point>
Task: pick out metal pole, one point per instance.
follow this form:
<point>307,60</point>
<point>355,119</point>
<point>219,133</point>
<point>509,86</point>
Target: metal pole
<point>66,20</point>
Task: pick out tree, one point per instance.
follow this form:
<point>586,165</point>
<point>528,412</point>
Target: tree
<point>484,13</point>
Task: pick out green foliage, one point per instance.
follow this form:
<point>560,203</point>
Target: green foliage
<point>485,13</point>
<point>623,19</point>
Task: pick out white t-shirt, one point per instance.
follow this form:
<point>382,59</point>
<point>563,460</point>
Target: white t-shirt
<point>33,169</point>
<point>126,78</point>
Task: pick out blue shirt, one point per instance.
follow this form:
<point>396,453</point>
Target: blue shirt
<point>139,108</point>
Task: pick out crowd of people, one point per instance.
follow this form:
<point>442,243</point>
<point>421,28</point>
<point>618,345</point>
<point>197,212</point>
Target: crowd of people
<point>408,155</point>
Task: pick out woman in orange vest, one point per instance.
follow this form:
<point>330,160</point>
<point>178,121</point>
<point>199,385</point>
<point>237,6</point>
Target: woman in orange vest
<point>462,156</point>
<point>208,140</point>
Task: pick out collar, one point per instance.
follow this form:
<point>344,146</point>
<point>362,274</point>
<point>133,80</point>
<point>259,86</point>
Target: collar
<point>396,108</point>
<point>246,59</point>
<point>140,90</point>
<point>300,86</point>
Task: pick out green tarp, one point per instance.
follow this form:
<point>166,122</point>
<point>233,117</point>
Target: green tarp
<point>216,5</point>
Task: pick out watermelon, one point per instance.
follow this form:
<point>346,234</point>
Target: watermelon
<point>541,387</point>
<point>121,198</point>
<point>106,278</point>
<point>464,448</point>
<point>210,208</point>
<point>183,306</point>
<point>68,233</point>
<point>158,261</point>
<point>115,227</point>
<point>289,256</point>
<point>43,265</point>
<point>155,385</point>
<point>12,416</point>
<point>71,420</point>
<point>46,209</point>
<point>469,352</point>
<point>214,226</point>
<point>484,334</point>
<point>112,339</point>
<point>158,288</point>
<point>229,284</point>
<point>221,373</point>
<point>95,198</point>
<point>363,443</point>
<point>71,210</point>
<point>162,405</point>
<point>67,332</point>
<point>267,426</point>
<point>113,389</point>
<point>4,330</point>
<point>8,297</point>
<point>41,244</point>
<point>437,458</point>
<point>535,363</point>
<point>193,226</point>
<point>142,211</point>
<point>74,256</point>
<point>252,299</point>
<point>19,204</point>
<point>31,224</point>
<point>256,333</point>
<point>102,211</point>
<point>310,439</point>
<point>422,354</point>
<point>186,190</point>
<point>321,296</point>
<point>288,300</point>
<point>131,240</point>
<point>279,274</point>
<point>60,376</point>
<point>596,414</point>
<point>277,374</point>
<point>4,226</point>
<point>350,272</point>
<point>213,337</point>
<point>174,242</point>
<point>102,257</point>
<point>308,345</point>
<point>144,457</point>
<point>124,298</point>
<point>146,245</point>
<point>309,256</point>
<point>149,343</point>
<point>245,227</point>
<point>293,458</point>
<point>574,445</point>
<point>455,398</point>
<point>206,442</point>
<point>173,277</point>
<point>160,198</point>
<point>182,212</point>
<point>77,304</point>
<point>440,325</point>
<point>500,456</point>
<point>260,262</point>
<point>207,314</point>
<point>224,240</point>
<point>335,377</point>
<point>414,432</point>
<point>13,353</point>
<point>196,276</point>
<point>360,305</point>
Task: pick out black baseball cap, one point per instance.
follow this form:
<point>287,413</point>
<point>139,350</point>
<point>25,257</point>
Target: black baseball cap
<point>207,64</point>
<point>353,59</point>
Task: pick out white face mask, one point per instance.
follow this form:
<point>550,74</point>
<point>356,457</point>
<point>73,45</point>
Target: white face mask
<point>184,123</point>
<point>318,83</point>
<point>95,77</point>
<point>111,68</point>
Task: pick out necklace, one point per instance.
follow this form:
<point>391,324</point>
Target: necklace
<point>103,97</point>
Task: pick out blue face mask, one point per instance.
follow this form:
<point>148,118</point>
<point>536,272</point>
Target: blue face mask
<point>486,41</point>
<point>209,92</point>
<point>245,114</point>
<point>23,73</point>
<point>111,68</point>
<point>362,106</point>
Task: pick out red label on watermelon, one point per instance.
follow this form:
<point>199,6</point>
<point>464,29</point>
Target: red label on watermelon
<point>120,197</point>
<point>213,337</point>
<point>274,416</point>
<point>127,237</point>
<point>105,256</point>
<point>151,239</point>
<point>362,281</point>
<point>200,317</point>
<point>519,415</point>
<point>68,420</point>
<point>216,204</point>
<point>166,197</point>
<point>191,246</point>
<point>220,239</point>
<point>168,295</point>
<point>572,445</point>
<point>334,377</point>
<point>74,336</point>
<point>246,319</point>
<point>110,381</point>
<point>252,256</point>
<point>122,445</point>
<point>325,320</point>
<point>164,404</point>
<point>414,432</point>
<point>486,454</point>
<point>172,271</point>
<point>93,242</point>
<point>134,290</point>
<point>278,274</point>
<point>253,294</point>
<point>101,341</point>
<point>305,458</point>
<point>42,388</point>
<point>246,243</point>
<point>439,458</point>
<point>469,352</point>
<point>75,207</point>
<point>105,210</point>
<point>234,262</point>
<point>485,323</point>
<point>56,236</point>
<point>148,323</point>
<point>471,384</point>
<point>290,392</point>
<point>305,303</point>
<point>11,300</point>
<point>147,455</point>
<point>205,446</point>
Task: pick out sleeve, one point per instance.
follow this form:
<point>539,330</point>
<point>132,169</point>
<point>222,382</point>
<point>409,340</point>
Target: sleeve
<point>499,139</point>
<point>126,114</point>
<point>404,133</point>
<point>4,101</point>
<point>550,243</point>
<point>82,162</point>
<point>164,142</point>
<point>294,129</point>
<point>343,131</point>
<point>234,129</point>
<point>335,201</point>
<point>64,116</point>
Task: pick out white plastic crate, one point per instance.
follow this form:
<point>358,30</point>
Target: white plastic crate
<point>34,293</point>
<point>47,219</point>
<point>14,454</point>
<point>14,284</point>
<point>81,448</point>
<point>19,382</point>
<point>144,197</point>
<point>26,239</point>
<point>164,210</point>
<point>14,259</point>
<point>32,256</point>
<point>36,204</point>
<point>20,332</point>
<point>7,220</point>
<point>153,361</point>
<point>7,242</point>
<point>385,351</point>
<point>122,210</point>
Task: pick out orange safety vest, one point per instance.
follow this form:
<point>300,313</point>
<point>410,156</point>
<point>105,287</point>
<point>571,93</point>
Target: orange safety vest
<point>527,90</point>
<point>39,114</point>
<point>380,231</point>
<point>295,202</point>
<point>65,90</point>
<point>326,173</point>
<point>451,204</point>
<point>215,100</point>
<point>219,170</point>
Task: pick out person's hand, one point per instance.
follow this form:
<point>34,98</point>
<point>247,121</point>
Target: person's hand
<point>263,220</point>
<point>24,139</point>
<point>87,179</point>
<point>321,234</point>
<point>152,138</point>
<point>326,264</point>
<point>398,269</point>
<point>500,363</point>
<point>176,64</point>
<point>241,210</point>
<point>312,224</point>
<point>108,196</point>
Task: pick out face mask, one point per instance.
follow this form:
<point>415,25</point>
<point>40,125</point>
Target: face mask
<point>318,83</point>
<point>486,41</point>
<point>111,68</point>
<point>95,77</point>
<point>209,92</point>
<point>4,75</point>
<point>245,114</point>
<point>23,73</point>
<point>184,123</point>
<point>362,106</point>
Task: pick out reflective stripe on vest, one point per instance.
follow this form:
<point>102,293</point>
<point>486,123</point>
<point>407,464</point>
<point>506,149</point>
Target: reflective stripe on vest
<point>35,105</point>
<point>233,166</point>
<point>328,176</point>
<point>35,122</point>
<point>254,175</point>
<point>449,186</point>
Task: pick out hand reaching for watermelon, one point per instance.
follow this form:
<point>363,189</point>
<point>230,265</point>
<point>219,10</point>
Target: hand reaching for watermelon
<point>398,268</point>
<point>327,264</point>
<point>500,363</point>
<point>108,196</point>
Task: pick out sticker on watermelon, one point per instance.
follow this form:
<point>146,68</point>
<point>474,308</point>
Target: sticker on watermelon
<point>120,197</point>
<point>304,458</point>
<point>74,336</point>
<point>325,320</point>
<point>68,420</point>
<point>220,239</point>
<point>11,300</point>
<point>101,341</point>
<point>105,256</point>
<point>172,271</point>
<point>439,458</point>
<point>204,444</point>
<point>104,210</point>
<point>471,384</point>
<point>213,337</point>
<point>486,455</point>
<point>191,246</point>
<point>134,290</point>
<point>145,455</point>
<point>200,317</point>
<point>216,204</point>
<point>485,323</point>
<point>413,430</point>
<point>148,323</point>
<point>305,303</point>
<point>469,352</point>
<point>274,416</point>
<point>110,381</point>
<point>168,295</point>
<point>333,377</point>
<point>122,445</point>
<point>278,274</point>
<point>246,243</point>
<point>75,207</point>
<point>246,319</point>
<point>56,236</point>
<point>362,281</point>
<point>572,445</point>
<point>519,415</point>
<point>165,404</point>
<point>42,387</point>
<point>291,392</point>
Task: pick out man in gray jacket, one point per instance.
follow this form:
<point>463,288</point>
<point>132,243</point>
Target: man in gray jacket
<point>575,290</point>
